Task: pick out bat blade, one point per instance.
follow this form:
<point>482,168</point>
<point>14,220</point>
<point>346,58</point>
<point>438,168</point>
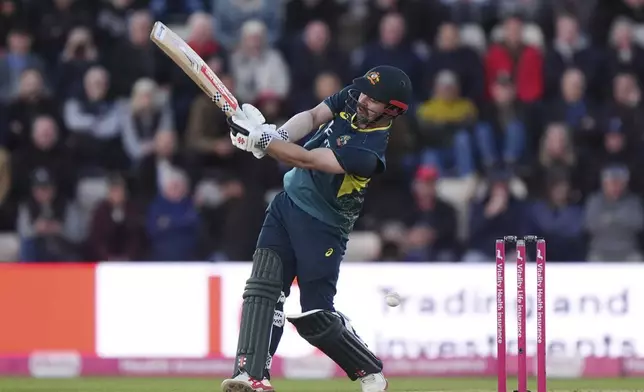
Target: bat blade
<point>195,67</point>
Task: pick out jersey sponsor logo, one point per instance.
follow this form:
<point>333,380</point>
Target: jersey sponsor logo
<point>373,77</point>
<point>342,140</point>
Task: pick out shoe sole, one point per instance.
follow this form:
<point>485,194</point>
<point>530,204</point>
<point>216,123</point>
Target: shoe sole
<point>239,386</point>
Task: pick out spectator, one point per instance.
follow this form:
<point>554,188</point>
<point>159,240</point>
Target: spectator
<point>624,55</point>
<point>47,151</point>
<point>443,123</point>
<point>573,108</point>
<point>117,226</point>
<point>47,223</point>
<point>571,50</point>
<point>230,15</point>
<point>172,221</point>
<point>431,230</point>
<point>256,67</point>
<point>201,39</point>
<point>111,22</point>
<point>626,104</point>
<point>556,153</point>
<point>423,17</point>
<point>559,220</point>
<point>492,216</point>
<point>135,57</point>
<point>391,48</point>
<point>607,11</point>
<point>229,215</point>
<point>614,219</point>
<point>161,9</point>
<point>511,56</point>
<point>155,167</point>
<point>79,54</point>
<point>480,12</point>
<point>146,114</point>
<point>617,148</point>
<point>57,19</point>
<point>464,61</point>
<point>207,134</point>
<point>201,36</point>
<point>311,56</point>
<point>502,125</point>
<point>94,122</point>
<point>11,15</point>
<point>32,100</point>
<point>326,84</point>
<point>300,14</point>
<point>18,58</point>
<point>532,10</point>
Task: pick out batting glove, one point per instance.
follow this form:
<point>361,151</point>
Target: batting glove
<point>251,133</point>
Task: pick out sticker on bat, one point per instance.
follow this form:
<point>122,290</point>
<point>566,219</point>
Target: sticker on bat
<point>160,32</point>
<point>223,90</point>
<point>194,62</point>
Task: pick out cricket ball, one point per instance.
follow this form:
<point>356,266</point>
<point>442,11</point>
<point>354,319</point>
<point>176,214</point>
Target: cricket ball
<point>393,299</point>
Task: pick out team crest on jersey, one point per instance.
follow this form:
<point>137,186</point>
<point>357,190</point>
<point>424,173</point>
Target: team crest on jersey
<point>342,140</point>
<point>373,77</point>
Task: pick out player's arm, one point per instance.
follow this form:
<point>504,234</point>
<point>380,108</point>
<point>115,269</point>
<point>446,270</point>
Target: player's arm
<point>303,123</point>
<point>359,162</point>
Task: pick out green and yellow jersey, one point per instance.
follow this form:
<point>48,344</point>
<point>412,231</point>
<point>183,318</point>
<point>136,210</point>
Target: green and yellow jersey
<point>337,199</point>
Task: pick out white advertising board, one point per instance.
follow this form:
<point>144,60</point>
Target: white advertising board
<point>157,310</point>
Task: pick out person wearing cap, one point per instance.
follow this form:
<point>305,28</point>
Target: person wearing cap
<point>614,218</point>
<point>307,226</point>
<point>431,234</point>
<point>48,226</point>
<point>443,125</point>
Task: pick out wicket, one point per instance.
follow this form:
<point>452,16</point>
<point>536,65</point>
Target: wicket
<point>521,312</point>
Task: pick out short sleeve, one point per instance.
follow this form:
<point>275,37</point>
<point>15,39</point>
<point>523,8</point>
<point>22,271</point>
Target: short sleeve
<point>358,161</point>
<point>337,101</point>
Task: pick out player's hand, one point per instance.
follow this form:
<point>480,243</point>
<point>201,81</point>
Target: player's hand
<point>251,133</point>
<point>240,127</point>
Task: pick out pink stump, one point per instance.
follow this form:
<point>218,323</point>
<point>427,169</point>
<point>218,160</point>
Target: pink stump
<point>521,317</point>
<point>541,315</point>
<point>500,316</point>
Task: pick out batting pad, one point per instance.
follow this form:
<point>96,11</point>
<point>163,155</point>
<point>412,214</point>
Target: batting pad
<point>263,290</point>
<point>331,333</point>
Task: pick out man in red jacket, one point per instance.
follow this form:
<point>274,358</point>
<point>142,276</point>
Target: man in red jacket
<point>512,56</point>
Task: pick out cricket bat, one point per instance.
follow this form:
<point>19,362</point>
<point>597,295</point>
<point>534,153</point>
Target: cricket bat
<point>195,67</point>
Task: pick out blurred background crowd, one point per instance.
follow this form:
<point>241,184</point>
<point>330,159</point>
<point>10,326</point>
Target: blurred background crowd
<point>528,120</point>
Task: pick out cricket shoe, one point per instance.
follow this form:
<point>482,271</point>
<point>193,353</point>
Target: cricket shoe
<point>374,383</point>
<point>245,383</point>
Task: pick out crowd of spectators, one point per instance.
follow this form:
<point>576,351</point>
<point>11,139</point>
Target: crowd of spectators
<point>528,120</point>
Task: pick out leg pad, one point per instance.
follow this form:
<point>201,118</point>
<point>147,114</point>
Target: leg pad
<point>333,335</point>
<point>261,294</point>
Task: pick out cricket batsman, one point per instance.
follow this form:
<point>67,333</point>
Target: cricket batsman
<point>306,227</point>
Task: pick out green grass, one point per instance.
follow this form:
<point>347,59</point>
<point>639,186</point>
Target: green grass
<point>211,385</point>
